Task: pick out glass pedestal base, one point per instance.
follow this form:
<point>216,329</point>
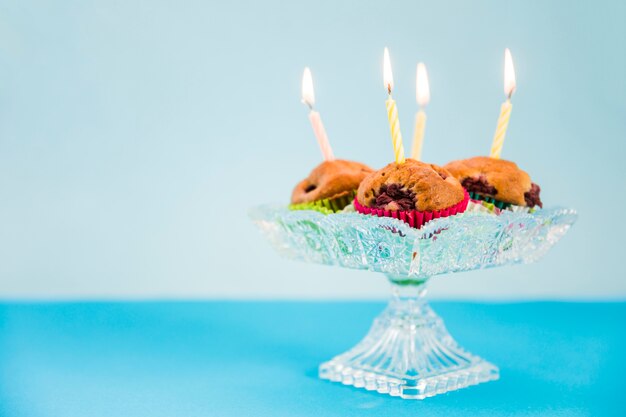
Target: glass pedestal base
<point>408,353</point>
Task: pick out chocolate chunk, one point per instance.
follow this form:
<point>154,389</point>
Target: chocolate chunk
<point>532,197</point>
<point>394,193</point>
<point>479,185</point>
<point>310,188</point>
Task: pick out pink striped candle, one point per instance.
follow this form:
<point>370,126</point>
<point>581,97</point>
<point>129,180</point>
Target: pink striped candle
<point>308,98</point>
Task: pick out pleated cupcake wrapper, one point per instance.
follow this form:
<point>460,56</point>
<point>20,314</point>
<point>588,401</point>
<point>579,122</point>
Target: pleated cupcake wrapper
<point>415,218</point>
<point>520,209</point>
<point>327,205</point>
<point>496,203</point>
<point>482,206</point>
<point>310,206</point>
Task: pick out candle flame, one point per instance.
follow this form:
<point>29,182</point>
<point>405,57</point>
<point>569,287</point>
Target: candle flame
<point>308,94</point>
<point>423,89</point>
<point>387,74</point>
<point>509,74</point>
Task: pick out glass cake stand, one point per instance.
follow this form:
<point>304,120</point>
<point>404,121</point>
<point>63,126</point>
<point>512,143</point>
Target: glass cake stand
<point>408,352</point>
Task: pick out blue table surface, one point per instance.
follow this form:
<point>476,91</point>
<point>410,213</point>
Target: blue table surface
<point>260,359</point>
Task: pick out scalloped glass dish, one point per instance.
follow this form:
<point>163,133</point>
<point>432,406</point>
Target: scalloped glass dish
<point>408,352</point>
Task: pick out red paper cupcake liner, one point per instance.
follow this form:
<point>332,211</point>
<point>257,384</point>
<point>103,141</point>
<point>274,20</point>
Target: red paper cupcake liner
<point>415,218</point>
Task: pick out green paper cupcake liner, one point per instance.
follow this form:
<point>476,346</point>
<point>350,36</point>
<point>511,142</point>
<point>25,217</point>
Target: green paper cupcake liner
<point>480,203</point>
<point>499,204</point>
<point>326,206</point>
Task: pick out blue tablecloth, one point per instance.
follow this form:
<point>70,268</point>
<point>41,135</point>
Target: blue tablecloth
<point>260,358</point>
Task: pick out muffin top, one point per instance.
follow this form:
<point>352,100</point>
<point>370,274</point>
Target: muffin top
<point>413,185</point>
<point>329,180</point>
<point>498,179</point>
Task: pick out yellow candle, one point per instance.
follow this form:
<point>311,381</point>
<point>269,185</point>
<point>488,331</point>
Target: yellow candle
<point>418,135</point>
<point>394,127</point>
<point>505,109</point>
<point>423,97</point>
<point>503,123</point>
<point>392,112</point>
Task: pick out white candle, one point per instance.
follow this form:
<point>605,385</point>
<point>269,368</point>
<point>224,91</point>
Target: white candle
<point>422,92</point>
<point>308,98</point>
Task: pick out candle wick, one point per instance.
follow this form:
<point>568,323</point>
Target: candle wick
<point>510,95</point>
<point>389,89</point>
<point>310,106</point>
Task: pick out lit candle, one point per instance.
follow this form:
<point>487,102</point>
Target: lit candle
<point>505,109</point>
<point>308,98</point>
<point>392,111</point>
<point>422,92</point>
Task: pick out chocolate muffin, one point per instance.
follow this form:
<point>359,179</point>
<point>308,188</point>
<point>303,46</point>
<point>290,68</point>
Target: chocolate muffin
<point>496,180</point>
<point>414,191</point>
<point>331,185</point>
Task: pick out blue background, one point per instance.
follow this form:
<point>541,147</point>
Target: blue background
<point>135,135</point>
<point>260,359</point>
